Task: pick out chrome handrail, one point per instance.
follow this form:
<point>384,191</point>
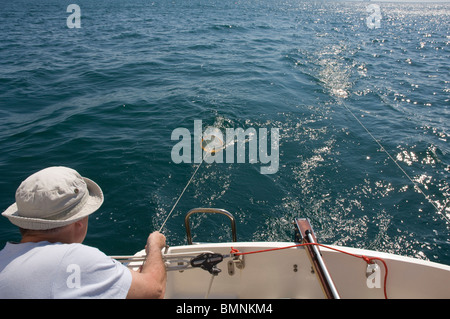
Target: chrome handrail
<point>208,211</point>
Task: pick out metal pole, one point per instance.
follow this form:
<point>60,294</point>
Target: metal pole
<point>324,268</point>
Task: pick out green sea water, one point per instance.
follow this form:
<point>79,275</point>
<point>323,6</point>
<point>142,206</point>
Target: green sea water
<point>105,98</point>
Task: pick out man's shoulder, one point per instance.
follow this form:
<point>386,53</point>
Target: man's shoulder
<point>82,248</point>
<point>66,249</point>
<point>84,252</point>
<point>62,253</point>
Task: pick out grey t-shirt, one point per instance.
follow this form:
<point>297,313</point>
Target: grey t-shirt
<point>60,271</point>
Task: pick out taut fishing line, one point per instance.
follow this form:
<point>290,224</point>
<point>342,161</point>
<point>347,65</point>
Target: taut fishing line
<point>440,212</point>
<point>210,146</point>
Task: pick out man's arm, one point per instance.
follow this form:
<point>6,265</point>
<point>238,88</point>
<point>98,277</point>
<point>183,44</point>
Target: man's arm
<point>150,281</point>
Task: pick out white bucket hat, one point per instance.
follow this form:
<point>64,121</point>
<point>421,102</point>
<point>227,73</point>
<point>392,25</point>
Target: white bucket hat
<point>54,197</point>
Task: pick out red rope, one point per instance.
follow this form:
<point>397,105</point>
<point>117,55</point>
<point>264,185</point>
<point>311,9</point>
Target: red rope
<point>368,260</point>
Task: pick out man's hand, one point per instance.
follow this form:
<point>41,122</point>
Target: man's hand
<point>155,240</point>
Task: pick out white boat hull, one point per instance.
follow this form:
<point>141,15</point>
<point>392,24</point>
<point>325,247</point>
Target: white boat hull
<point>288,273</point>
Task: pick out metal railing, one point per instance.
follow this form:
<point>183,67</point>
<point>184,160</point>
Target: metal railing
<point>208,211</point>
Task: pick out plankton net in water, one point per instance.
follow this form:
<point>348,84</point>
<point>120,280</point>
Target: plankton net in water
<point>212,142</point>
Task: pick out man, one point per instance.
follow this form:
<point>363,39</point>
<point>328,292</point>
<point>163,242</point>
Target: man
<point>51,210</point>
